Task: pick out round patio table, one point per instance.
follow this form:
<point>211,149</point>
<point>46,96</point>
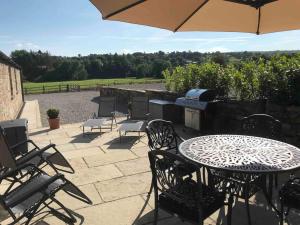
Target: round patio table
<point>242,154</point>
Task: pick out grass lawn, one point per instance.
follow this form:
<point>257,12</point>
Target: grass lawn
<point>31,87</point>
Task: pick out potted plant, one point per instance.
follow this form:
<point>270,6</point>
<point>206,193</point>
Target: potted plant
<point>53,118</point>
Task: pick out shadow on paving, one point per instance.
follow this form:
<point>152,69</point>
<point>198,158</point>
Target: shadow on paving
<point>261,214</point>
<point>86,138</point>
<point>40,132</point>
<point>126,142</point>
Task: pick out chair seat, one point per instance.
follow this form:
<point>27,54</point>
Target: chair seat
<point>237,182</point>
<point>183,168</point>
<point>290,193</point>
<point>95,123</point>
<point>33,188</point>
<point>188,210</point>
<point>35,157</point>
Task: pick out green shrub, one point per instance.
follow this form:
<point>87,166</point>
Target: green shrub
<point>208,76</point>
<point>277,79</point>
<point>294,84</point>
<point>52,113</point>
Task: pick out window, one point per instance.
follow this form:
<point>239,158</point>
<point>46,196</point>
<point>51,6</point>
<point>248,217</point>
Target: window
<point>16,81</point>
<point>11,84</point>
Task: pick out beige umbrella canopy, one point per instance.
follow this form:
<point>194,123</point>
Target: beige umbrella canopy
<point>252,16</point>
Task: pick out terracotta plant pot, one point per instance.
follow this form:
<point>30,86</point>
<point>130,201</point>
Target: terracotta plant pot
<point>53,123</point>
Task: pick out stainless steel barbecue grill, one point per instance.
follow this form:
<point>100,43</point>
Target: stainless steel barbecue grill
<point>199,107</point>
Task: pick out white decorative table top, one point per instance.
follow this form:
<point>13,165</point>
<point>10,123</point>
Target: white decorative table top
<point>241,153</point>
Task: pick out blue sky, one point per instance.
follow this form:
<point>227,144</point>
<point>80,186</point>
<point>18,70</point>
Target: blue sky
<point>72,27</point>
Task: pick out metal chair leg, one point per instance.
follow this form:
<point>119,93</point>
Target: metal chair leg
<point>151,188</point>
<point>248,210</point>
<point>229,213</point>
<point>247,189</point>
<point>281,212</point>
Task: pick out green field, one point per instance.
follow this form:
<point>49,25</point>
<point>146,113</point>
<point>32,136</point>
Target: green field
<point>46,87</point>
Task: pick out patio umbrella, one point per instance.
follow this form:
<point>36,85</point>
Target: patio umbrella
<point>252,16</point>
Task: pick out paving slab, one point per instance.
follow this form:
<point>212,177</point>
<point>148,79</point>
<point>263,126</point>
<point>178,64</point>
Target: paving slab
<point>121,212</point>
<point>141,151</point>
<point>134,166</point>
<point>123,187</point>
<point>95,174</point>
<point>31,112</point>
<point>73,204</point>
<point>66,147</point>
<point>107,158</point>
<point>84,152</point>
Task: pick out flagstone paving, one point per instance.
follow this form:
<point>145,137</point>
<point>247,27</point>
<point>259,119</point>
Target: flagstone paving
<point>116,176</point>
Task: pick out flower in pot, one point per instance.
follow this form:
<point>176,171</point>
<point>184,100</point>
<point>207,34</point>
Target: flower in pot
<point>53,118</point>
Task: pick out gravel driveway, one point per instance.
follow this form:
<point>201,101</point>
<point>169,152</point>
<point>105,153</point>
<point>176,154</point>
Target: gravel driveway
<point>76,106</point>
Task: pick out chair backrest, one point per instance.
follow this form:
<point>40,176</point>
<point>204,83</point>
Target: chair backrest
<point>161,135</point>
<point>261,125</point>
<point>166,170</point>
<point>107,105</point>
<point>139,108</point>
<point>6,157</point>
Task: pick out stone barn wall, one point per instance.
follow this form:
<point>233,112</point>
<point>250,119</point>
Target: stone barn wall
<point>11,99</point>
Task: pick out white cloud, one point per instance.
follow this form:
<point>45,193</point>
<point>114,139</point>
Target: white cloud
<point>27,46</point>
<point>215,49</point>
<point>76,36</point>
<point>169,38</point>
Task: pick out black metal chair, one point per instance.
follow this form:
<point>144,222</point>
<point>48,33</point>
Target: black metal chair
<point>48,155</point>
<point>162,136</point>
<point>246,185</point>
<point>289,197</point>
<point>191,200</point>
<point>34,191</point>
<point>261,125</point>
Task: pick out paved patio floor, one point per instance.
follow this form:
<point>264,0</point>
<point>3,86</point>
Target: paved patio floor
<point>116,176</point>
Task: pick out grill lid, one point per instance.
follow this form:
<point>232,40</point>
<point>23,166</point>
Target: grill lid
<point>201,95</point>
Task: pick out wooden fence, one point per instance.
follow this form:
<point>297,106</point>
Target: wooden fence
<point>44,89</point>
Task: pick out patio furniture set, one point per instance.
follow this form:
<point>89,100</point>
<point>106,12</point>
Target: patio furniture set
<point>107,114</point>
<point>199,176</point>
<point>190,178</point>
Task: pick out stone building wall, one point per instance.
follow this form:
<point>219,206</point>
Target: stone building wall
<point>11,99</point>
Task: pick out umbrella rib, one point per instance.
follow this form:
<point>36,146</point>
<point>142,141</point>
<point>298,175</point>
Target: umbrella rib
<point>258,23</point>
<point>193,13</point>
<point>123,9</point>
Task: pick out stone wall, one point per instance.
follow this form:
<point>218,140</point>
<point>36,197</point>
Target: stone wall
<point>290,119</point>
<point>228,113</point>
<point>11,99</point>
<point>123,95</point>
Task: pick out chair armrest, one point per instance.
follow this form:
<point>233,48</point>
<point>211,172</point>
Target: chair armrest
<point>39,151</point>
<point>13,172</point>
<point>180,138</point>
<point>24,142</point>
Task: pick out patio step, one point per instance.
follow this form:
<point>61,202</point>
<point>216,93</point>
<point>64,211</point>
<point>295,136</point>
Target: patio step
<point>31,112</point>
